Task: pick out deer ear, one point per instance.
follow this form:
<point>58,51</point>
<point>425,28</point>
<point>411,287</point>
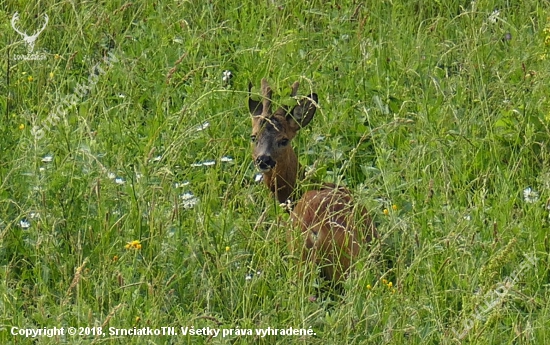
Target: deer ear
<point>255,107</point>
<point>302,113</point>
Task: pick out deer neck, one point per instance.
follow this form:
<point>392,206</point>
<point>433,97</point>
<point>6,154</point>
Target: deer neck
<point>281,180</point>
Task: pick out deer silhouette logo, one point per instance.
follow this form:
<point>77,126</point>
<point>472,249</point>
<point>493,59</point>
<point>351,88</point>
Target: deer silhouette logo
<point>29,40</point>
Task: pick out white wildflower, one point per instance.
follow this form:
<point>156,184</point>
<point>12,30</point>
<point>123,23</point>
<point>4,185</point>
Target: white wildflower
<point>181,184</point>
<point>226,76</point>
<point>119,180</point>
<point>23,223</point>
<point>205,163</point>
<point>188,200</point>
<point>226,159</point>
<point>203,126</point>
<point>530,196</point>
<point>319,138</point>
<point>494,16</point>
<point>187,196</point>
<point>47,159</point>
<point>287,205</point>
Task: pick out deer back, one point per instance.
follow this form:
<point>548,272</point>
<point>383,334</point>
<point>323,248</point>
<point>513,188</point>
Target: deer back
<point>334,229</point>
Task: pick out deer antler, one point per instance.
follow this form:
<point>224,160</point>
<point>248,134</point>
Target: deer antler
<point>266,93</point>
<point>294,89</point>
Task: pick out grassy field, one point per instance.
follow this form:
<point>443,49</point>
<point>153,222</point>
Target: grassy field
<point>128,196</point>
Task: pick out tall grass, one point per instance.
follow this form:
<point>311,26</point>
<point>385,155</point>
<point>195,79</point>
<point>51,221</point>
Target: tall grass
<point>435,114</point>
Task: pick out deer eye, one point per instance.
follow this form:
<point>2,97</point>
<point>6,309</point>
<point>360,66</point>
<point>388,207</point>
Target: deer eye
<point>283,142</point>
<point>253,138</point>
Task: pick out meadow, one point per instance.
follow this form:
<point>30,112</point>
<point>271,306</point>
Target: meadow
<point>128,197</point>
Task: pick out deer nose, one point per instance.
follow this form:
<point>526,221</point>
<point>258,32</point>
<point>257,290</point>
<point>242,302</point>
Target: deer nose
<point>265,162</point>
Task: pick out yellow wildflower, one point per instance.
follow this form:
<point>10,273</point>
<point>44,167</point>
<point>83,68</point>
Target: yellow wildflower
<point>227,248</point>
<point>135,244</point>
<point>386,212</point>
<point>394,207</point>
<point>369,287</point>
<point>30,78</point>
<point>22,126</point>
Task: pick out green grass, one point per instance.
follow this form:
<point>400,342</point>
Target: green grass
<point>438,108</point>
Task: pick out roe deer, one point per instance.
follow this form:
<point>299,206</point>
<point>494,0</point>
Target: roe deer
<point>332,228</point>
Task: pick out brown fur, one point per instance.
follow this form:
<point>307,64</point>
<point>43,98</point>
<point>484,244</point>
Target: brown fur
<point>333,229</point>
<point>281,180</point>
<point>333,239</point>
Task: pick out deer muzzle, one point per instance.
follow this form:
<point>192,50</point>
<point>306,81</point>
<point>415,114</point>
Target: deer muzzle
<point>265,163</point>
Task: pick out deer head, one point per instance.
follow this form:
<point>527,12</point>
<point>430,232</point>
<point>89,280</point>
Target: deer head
<point>28,39</point>
<point>272,133</point>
